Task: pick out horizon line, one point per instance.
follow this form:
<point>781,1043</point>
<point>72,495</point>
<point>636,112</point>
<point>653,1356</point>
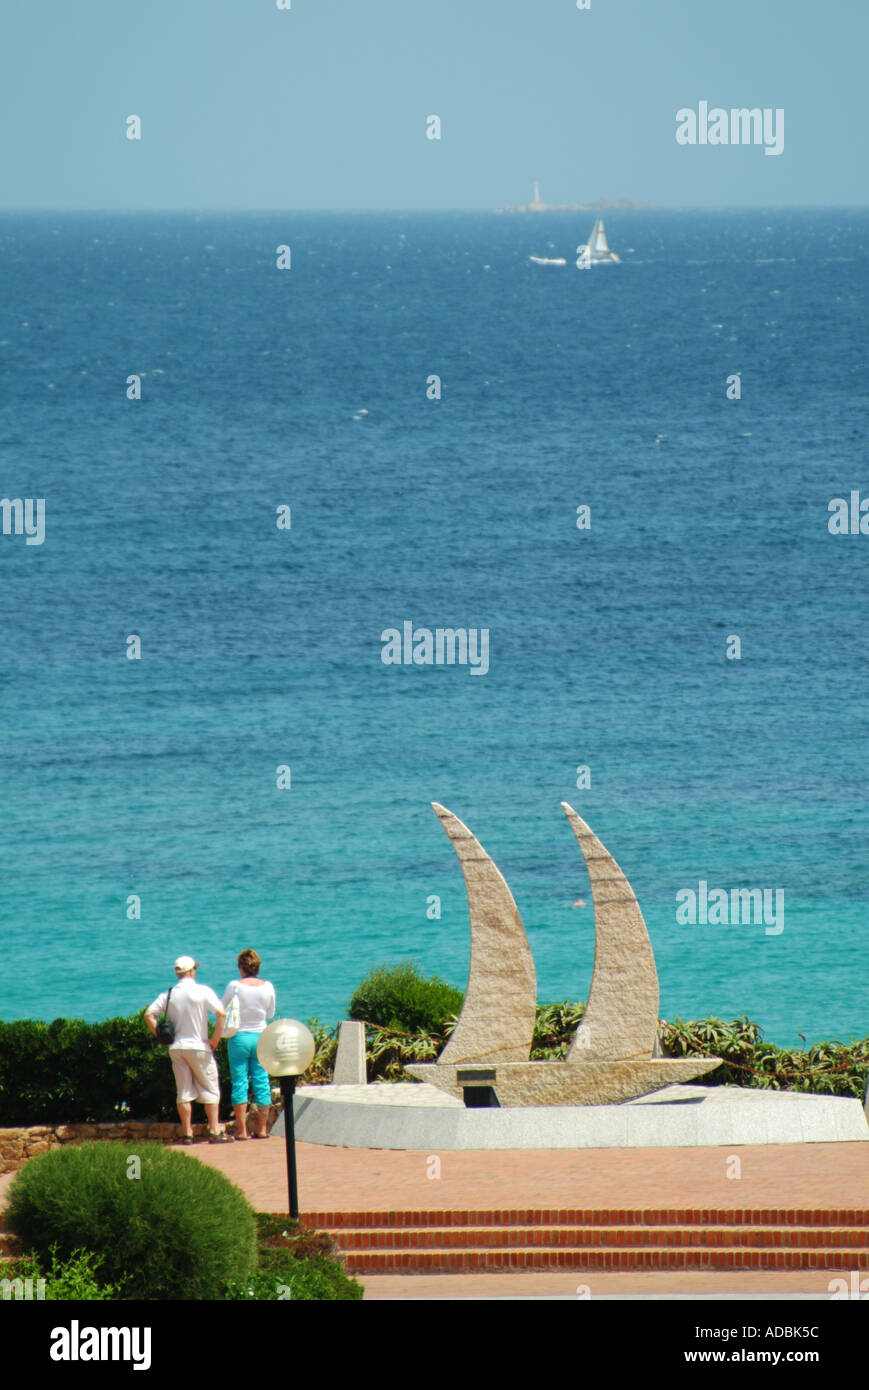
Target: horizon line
<point>433,212</point>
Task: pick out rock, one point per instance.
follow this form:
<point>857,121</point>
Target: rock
<point>162,1131</point>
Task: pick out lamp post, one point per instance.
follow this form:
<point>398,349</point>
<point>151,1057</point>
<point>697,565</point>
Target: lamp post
<point>285,1049</point>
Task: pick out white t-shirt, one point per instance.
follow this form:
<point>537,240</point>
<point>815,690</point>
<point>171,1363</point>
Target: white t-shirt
<point>256,1002</point>
<point>189,1008</point>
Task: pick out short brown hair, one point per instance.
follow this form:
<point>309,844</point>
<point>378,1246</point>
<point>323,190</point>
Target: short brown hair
<point>249,962</point>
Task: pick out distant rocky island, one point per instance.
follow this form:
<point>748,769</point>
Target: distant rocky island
<point>599,205</point>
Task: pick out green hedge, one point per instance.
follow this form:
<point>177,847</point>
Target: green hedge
<point>69,1072</point>
<point>72,1072</point>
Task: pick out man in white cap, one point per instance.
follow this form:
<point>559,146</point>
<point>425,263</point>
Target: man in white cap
<point>187,1006</point>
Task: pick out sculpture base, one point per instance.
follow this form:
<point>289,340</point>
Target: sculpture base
<point>412,1117</point>
<point>569,1083</point>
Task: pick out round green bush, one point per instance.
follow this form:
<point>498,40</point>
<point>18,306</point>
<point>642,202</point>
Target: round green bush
<point>398,996</point>
<point>178,1230</point>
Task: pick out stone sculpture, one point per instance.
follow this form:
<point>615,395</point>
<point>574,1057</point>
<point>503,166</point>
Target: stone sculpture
<point>612,1058</point>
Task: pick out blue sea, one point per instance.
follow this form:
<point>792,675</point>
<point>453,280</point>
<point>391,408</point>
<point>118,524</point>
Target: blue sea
<point>261,647</point>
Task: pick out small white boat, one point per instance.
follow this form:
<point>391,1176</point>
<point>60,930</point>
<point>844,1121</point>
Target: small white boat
<point>548,260</point>
<point>596,251</point>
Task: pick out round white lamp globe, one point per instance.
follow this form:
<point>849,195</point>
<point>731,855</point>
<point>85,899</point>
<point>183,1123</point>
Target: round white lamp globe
<point>286,1047</point>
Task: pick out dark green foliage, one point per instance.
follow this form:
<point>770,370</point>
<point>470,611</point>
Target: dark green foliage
<point>554,1027</point>
<point>397,996</point>
<point>298,1281</point>
<point>69,1072</point>
<point>826,1068</point>
<point>72,1072</point>
<point>179,1231</point>
<point>296,1264</point>
<point>326,1046</point>
<point>387,1053</point>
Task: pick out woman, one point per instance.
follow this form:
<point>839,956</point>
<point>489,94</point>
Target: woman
<point>256,999</point>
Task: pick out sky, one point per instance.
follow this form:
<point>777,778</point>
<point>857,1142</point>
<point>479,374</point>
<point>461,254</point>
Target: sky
<point>323,106</point>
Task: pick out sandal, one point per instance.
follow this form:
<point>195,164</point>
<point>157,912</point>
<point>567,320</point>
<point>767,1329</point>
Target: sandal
<point>184,1139</point>
<point>220,1139</point>
<point>260,1136</point>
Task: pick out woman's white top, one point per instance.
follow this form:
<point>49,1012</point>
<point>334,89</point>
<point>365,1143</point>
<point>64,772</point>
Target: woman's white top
<point>256,1002</point>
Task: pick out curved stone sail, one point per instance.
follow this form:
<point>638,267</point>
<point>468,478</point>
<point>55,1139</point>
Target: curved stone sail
<point>621,1017</point>
<point>497,1019</point>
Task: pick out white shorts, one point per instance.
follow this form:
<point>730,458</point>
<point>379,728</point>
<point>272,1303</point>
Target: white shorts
<point>195,1074</point>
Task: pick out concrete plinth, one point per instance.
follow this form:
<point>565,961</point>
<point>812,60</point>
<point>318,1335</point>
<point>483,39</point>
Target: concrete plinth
<point>350,1065</point>
<point>421,1117</point>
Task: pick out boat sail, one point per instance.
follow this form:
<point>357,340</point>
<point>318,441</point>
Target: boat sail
<point>614,1055</point>
<point>597,250</point>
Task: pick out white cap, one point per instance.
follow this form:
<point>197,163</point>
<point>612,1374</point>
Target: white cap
<point>185,963</point>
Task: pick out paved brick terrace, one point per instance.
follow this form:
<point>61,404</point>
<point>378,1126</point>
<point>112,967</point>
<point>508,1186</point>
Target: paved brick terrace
<point>801,1176</point>
<point>784,1178</point>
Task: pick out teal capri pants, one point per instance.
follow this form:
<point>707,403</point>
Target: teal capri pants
<point>245,1069</point>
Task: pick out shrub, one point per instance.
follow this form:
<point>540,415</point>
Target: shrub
<point>321,1070</point>
<point>398,996</point>
<point>178,1231</point>
<point>73,1279</point>
<point>554,1029</point>
<point>295,1264</point>
<point>69,1071</point>
<point>298,1280</point>
<point>826,1068</point>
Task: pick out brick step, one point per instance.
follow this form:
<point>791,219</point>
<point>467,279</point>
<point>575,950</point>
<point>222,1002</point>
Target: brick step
<point>584,1217</point>
<point>648,1258</point>
<point>596,1237</point>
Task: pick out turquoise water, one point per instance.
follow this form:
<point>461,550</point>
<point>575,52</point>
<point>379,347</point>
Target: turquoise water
<point>261,647</point>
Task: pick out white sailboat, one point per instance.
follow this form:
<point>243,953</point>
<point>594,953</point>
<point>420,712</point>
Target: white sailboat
<point>596,251</point>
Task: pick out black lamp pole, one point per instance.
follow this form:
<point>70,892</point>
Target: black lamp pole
<point>288,1089</point>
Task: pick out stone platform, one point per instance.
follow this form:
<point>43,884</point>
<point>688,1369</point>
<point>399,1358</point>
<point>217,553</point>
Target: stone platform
<point>420,1117</point>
